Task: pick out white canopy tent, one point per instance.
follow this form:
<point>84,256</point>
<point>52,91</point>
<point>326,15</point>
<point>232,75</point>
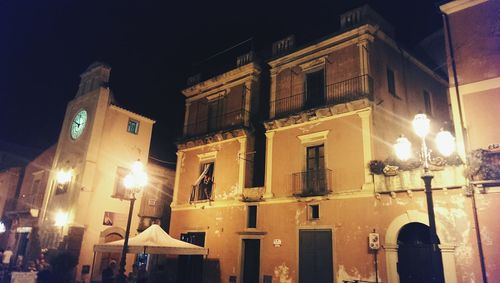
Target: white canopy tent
<point>153,240</point>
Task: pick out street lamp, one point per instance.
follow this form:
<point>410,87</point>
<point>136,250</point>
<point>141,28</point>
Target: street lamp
<point>134,182</point>
<point>445,143</point>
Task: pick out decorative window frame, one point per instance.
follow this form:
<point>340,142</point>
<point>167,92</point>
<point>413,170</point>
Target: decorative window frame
<point>313,65</point>
<point>314,139</point>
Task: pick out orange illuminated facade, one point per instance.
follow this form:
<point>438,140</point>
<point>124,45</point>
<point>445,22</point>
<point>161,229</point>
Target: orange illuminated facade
<point>335,108</point>
<point>474,74</point>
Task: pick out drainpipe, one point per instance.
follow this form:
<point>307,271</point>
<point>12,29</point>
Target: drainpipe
<point>466,144</point>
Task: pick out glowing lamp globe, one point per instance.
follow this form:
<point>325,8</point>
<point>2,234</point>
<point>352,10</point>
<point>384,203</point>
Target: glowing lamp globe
<point>61,219</point>
<point>421,125</point>
<point>63,177</point>
<point>137,178</point>
<point>403,148</point>
<point>445,142</point>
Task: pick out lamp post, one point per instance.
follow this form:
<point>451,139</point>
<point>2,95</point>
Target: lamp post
<point>446,145</point>
<point>134,182</point>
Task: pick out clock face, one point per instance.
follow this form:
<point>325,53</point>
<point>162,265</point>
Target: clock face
<point>78,124</point>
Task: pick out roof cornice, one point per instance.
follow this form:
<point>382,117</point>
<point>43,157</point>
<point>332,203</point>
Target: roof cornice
<point>246,72</point>
<point>459,5</point>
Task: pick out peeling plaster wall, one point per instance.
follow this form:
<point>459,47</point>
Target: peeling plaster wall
<point>350,219</point>
<point>225,174</point>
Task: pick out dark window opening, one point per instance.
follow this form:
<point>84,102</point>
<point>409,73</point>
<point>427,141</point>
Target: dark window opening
<point>215,114</point>
<point>315,89</point>
<point>391,83</point>
<point>190,267</point>
<point>133,126</point>
<point>203,187</point>
<point>314,211</point>
<point>252,216</point>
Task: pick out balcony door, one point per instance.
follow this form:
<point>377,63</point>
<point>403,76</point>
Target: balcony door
<point>315,89</point>
<point>315,170</point>
<point>215,114</point>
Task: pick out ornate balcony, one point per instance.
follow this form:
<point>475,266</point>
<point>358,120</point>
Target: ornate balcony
<point>312,183</point>
<point>336,93</point>
<point>226,121</point>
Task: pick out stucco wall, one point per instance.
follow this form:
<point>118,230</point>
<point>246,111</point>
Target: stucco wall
<point>343,154</point>
<point>226,171</point>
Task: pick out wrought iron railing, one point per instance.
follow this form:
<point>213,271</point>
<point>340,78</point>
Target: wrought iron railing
<point>336,93</point>
<point>312,182</point>
<point>228,120</point>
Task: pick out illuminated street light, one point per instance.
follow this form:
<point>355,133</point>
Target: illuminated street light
<point>134,182</point>
<point>63,177</point>
<point>2,228</point>
<point>61,219</point>
<point>403,148</point>
<point>445,143</point>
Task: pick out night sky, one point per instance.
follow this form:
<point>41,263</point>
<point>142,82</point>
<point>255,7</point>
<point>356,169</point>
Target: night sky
<point>152,47</point>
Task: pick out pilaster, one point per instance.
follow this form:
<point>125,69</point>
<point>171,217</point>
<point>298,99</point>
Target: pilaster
<point>178,166</point>
<point>186,116</point>
<point>274,74</point>
<point>269,164</point>
<point>367,147</point>
<point>242,163</point>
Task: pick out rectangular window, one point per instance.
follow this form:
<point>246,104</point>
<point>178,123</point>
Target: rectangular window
<point>391,83</point>
<point>314,211</point>
<point>202,190</point>
<point>315,178</point>
<point>133,126</point>
<point>315,89</point>
<point>215,114</point>
<point>252,216</point>
<point>427,103</point>
<point>120,190</point>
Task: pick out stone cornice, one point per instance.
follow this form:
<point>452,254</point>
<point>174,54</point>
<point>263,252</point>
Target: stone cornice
<point>459,5</point>
<point>221,136</point>
<point>218,83</point>
<point>318,114</point>
<point>361,34</point>
<point>132,114</point>
<point>325,46</point>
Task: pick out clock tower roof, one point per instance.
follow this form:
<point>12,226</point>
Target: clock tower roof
<point>94,77</point>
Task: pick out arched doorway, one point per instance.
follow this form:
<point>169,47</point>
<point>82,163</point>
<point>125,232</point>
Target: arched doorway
<point>102,260</point>
<point>415,260</point>
<point>107,257</point>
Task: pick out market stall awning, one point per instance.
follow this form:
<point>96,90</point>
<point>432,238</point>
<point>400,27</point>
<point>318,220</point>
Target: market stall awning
<point>153,241</point>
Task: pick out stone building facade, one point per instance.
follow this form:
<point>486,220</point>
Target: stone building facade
<point>97,145</point>
<point>472,30</point>
<point>336,107</point>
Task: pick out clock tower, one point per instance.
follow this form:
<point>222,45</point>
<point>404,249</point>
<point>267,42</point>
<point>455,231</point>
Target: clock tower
<point>98,142</point>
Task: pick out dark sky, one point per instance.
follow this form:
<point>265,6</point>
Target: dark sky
<point>151,46</point>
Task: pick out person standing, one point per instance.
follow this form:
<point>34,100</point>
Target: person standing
<point>6,257</point>
<point>108,274</point>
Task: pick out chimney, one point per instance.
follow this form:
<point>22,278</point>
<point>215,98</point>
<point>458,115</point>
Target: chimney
<point>284,45</point>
